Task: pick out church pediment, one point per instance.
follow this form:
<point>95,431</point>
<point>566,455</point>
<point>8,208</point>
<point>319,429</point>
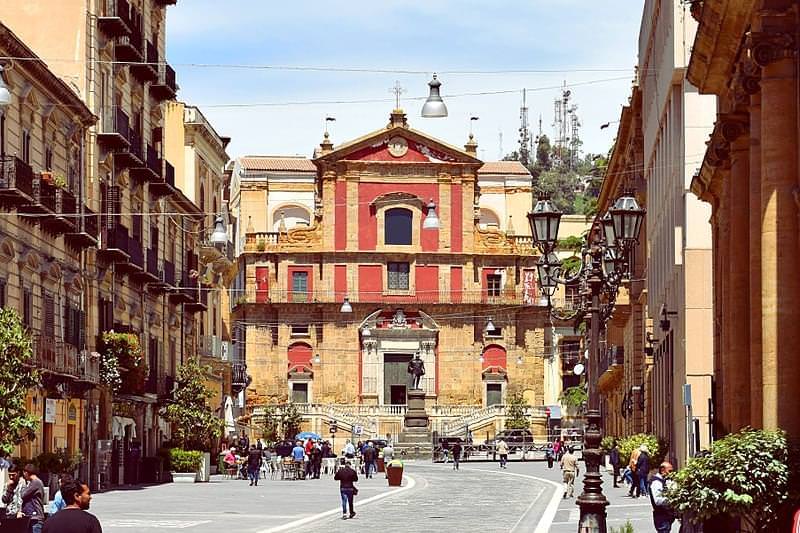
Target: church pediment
<point>397,143</point>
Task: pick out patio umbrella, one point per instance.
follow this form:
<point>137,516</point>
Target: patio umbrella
<point>307,435</point>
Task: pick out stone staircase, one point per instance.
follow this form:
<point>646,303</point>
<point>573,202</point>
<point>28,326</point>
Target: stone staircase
<point>457,427</point>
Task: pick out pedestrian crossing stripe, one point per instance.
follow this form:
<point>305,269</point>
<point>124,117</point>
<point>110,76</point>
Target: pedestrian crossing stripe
<point>156,524</point>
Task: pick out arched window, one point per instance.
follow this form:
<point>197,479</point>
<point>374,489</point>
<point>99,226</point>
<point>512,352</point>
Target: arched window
<point>397,226</point>
<point>488,220</point>
<point>293,216</point>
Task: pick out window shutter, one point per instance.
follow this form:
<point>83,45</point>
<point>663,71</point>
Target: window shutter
<point>111,206</point>
<point>67,323</point>
<point>49,316</point>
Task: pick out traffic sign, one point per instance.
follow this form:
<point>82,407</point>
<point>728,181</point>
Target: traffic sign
<point>358,430</point>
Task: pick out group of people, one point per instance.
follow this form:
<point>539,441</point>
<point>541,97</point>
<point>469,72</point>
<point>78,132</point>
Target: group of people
<point>24,498</point>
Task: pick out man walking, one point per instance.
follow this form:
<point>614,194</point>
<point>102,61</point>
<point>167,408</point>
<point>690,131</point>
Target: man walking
<point>456,450</point>
<point>570,470</point>
<point>613,457</point>
<point>643,468</point>
<point>74,518</point>
<point>663,516</point>
<point>346,476</point>
<point>254,460</point>
<point>502,450</point>
<point>388,455</point>
<point>369,459</point>
<point>634,459</point>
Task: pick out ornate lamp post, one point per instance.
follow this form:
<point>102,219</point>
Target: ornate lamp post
<point>603,266</point>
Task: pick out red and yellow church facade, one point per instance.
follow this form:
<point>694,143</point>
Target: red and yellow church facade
<point>341,282</point>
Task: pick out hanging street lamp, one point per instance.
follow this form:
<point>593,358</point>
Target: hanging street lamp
<point>434,106</point>
<point>346,307</point>
<point>431,219</point>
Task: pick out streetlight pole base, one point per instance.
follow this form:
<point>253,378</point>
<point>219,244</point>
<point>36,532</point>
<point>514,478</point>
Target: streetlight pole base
<point>592,502</point>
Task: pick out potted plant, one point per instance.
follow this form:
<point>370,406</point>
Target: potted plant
<point>59,181</point>
<point>262,245</point>
<point>47,176</point>
<point>184,465</point>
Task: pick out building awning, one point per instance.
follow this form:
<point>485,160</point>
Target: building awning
<point>118,425</point>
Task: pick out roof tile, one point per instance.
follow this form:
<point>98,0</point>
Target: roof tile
<point>278,163</point>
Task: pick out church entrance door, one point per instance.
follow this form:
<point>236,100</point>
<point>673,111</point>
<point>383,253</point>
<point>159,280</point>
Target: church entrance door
<point>395,378</point>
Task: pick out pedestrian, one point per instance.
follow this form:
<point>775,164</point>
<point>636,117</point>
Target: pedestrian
<point>613,457</point>
<point>74,518</point>
<point>369,456</point>
<point>315,460</point>
<point>456,451</point>
<point>388,455</point>
<point>549,454</point>
<point>346,476</point>
<point>244,442</point>
<point>557,450</point>
<point>254,460</point>
<point>12,496</point>
<point>502,450</point>
<point>58,500</point>
<point>349,450</point>
<point>33,498</point>
<point>634,491</point>
<point>643,468</point>
<point>570,470</point>
<point>663,515</point>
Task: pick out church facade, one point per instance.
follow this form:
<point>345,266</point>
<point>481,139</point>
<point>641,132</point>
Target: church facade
<point>343,278</point>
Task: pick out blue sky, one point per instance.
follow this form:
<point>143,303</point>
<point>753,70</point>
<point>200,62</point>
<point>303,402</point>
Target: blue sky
<point>599,37</point>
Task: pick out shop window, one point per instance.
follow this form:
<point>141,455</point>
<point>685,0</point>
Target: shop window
<point>397,226</point>
<point>397,276</point>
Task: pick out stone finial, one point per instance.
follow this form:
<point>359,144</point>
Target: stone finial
<point>397,118</point>
<point>250,228</point>
<point>510,226</point>
<point>326,146</point>
<point>472,146</point>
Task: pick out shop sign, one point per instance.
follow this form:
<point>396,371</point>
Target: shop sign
<point>50,411</point>
<point>72,414</point>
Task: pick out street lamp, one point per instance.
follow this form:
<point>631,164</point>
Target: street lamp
<point>219,235</point>
<point>431,219</point>
<point>434,106</point>
<point>603,264</point>
<point>346,307</point>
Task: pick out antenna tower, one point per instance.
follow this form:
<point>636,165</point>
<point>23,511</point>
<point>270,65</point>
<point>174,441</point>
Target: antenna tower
<point>524,133</point>
<point>566,128</point>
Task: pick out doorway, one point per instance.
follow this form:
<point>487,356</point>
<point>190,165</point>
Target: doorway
<point>395,378</point>
<point>494,394</point>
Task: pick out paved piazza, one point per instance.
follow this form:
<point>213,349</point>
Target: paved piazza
<point>479,497</point>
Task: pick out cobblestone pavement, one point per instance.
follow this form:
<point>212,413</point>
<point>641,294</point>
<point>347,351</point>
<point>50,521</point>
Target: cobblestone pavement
<point>437,499</point>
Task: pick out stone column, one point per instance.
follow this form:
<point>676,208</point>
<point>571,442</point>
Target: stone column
<point>737,382</point>
<point>724,300</point>
<point>755,261</point>
<point>780,249</point>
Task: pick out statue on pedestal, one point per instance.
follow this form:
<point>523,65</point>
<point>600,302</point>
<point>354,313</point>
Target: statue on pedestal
<point>416,367</point>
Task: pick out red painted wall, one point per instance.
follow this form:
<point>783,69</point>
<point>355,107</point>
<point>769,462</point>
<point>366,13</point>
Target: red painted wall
<point>381,153</point>
<point>367,219</point>
<point>370,282</point>
<point>340,282</point>
<point>340,216</point>
<point>456,217</point>
<point>307,269</point>
<point>262,285</point>
<point>299,354</point>
<point>427,289</point>
<point>494,355</point>
<point>456,284</point>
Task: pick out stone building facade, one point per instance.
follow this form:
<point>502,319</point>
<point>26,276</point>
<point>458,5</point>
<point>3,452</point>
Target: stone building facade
<point>675,121</point>
<point>746,53</point>
<point>348,225</point>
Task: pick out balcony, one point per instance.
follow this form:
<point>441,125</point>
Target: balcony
<point>132,156</point>
<point>165,88</point>
<point>164,184</point>
<point>130,48</point>
<point>114,242</point>
<point>611,368</point>
<point>115,19</point>
<point>150,169</point>
<point>181,292</point>
<point>116,130</point>
<point>212,347</point>
<point>239,378</point>
<point>55,356</point>
<point>88,368</point>
<point>196,302</point>
<point>135,263</point>
<point>63,219</point>
<point>16,181</point>
<point>84,234</point>
<point>44,197</point>
<point>147,71</point>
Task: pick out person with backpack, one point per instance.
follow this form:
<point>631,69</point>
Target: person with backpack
<point>663,515</point>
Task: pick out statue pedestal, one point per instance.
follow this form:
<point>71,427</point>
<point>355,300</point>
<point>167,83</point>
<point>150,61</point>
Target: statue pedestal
<point>416,416</point>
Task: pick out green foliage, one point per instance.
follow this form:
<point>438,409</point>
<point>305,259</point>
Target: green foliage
<point>627,527</point>
<point>607,443</point>
<point>573,243</point>
<point>290,421</point>
<point>16,377</point>
<point>59,181</point>
<point>195,424</point>
<point>656,448</point>
<point>746,475</point>
<point>571,265</point>
<point>574,396</point>
<point>270,424</point>
<point>185,461</point>
<point>516,417</point>
<point>124,348</point>
<point>59,462</point>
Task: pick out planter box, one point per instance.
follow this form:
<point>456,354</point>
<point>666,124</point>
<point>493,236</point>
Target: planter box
<point>395,475</point>
<point>184,477</point>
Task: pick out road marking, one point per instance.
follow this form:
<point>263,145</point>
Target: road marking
<point>313,518</point>
<point>157,524</point>
<point>550,511</point>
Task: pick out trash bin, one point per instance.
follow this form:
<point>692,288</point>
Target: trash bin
<point>394,472</point>
<point>381,465</point>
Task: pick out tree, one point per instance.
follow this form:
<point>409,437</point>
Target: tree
<point>195,424</point>
<point>270,426</point>
<point>122,350</point>
<point>574,396</point>
<point>746,476</point>
<point>516,417</point>
<point>543,151</point>
<point>16,424</point>
<point>290,421</point>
